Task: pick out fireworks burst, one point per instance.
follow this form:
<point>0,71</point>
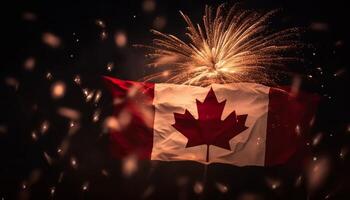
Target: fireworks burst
<point>233,46</point>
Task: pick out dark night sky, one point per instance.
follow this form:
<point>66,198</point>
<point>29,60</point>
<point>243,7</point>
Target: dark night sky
<point>26,99</point>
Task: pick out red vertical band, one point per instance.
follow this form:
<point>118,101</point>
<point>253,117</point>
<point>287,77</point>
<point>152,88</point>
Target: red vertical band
<point>134,111</point>
<point>288,121</point>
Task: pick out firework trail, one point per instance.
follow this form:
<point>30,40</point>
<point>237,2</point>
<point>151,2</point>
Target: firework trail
<point>232,45</point>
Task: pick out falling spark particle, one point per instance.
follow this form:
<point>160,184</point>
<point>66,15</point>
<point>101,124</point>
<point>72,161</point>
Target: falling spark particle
<point>339,72</point>
<point>71,124</point>
<point>297,130</point>
<point>273,183</point>
<point>63,148</point>
<point>85,186</point>
<point>48,158</point>
<point>100,23</point>
<point>77,79</point>
<point>198,188</point>
<point>221,187</point>
<point>69,113</point>
<point>52,190</point>
<point>51,40</point>
<point>73,128</point>
<point>314,158</point>
<point>24,185</point>
<point>298,181</point>
<point>112,123</point>
<point>159,23</point>
<point>74,162</point>
<point>88,94</point>
<point>98,95</point>
<point>60,178</point>
<point>103,35</point>
<point>129,165</point>
<point>49,75</point>
<point>317,173</point>
<point>104,172</point>
<point>110,66</point>
<point>34,136</point>
<point>44,127</point>
<point>12,82</point>
<point>96,116</point>
<point>233,46</point>
<point>317,139</point>
<point>312,121</point>
<point>29,64</point>
<point>343,152</point>
<point>120,39</point>
<point>148,6</point>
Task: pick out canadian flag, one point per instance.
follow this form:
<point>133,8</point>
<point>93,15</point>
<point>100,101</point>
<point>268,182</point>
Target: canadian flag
<point>240,123</point>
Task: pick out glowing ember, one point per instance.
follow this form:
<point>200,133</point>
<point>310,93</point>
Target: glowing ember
<point>10,81</point>
<point>198,188</point>
<point>317,139</point>
<point>317,173</point>
<point>98,95</point>
<point>221,187</point>
<point>74,163</point>
<point>52,191</point>
<point>44,127</point>
<point>77,79</point>
<point>49,75</point>
<point>29,63</point>
<point>100,23</point>
<point>58,90</point>
<point>110,66</point>
<point>69,113</point>
<point>273,183</point>
<point>85,186</point>
<point>103,35</point>
<point>104,172</point>
<point>230,48</point>
<point>51,40</point>
<point>48,158</point>
<point>120,39</point>
<point>96,116</point>
<point>129,165</point>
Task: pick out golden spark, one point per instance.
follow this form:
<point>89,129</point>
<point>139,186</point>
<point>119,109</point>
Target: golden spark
<point>234,46</point>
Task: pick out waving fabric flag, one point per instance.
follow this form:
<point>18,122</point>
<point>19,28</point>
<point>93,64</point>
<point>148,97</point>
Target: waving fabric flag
<point>240,123</point>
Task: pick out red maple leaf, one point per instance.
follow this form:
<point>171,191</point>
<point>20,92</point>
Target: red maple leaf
<point>209,129</point>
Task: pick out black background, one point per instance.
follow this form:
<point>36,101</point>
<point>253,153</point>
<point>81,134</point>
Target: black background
<point>25,108</point>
